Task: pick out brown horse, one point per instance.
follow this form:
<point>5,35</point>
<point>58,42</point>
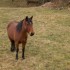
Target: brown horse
<point>18,33</point>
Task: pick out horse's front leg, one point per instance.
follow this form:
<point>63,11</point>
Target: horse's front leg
<point>23,50</point>
<point>17,50</point>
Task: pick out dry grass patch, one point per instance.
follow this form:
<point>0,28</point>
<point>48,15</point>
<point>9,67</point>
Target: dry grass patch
<point>47,50</point>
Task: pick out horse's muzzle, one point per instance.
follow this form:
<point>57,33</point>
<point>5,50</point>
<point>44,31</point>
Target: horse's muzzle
<point>31,34</point>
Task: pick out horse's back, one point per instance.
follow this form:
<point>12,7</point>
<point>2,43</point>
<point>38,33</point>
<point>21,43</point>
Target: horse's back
<point>12,23</point>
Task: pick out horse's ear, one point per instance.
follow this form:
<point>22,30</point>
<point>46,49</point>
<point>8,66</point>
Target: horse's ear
<point>26,18</point>
<point>31,17</point>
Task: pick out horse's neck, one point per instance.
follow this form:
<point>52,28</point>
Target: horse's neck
<point>24,34</point>
<point>24,31</point>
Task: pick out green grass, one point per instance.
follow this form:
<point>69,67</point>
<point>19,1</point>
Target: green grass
<point>48,49</point>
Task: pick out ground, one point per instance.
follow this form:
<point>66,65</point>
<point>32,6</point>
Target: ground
<point>48,49</point>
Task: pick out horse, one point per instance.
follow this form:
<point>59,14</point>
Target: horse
<point>18,34</point>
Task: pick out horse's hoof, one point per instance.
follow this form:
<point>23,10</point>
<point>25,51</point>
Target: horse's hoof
<point>12,50</point>
<point>23,58</point>
<point>16,58</point>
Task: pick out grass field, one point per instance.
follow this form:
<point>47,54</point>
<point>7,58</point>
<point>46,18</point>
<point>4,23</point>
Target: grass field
<point>48,49</point>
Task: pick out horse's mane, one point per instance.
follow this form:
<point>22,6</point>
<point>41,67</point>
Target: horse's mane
<point>19,26</point>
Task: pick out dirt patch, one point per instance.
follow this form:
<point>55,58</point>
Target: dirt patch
<point>49,5</point>
<point>55,5</point>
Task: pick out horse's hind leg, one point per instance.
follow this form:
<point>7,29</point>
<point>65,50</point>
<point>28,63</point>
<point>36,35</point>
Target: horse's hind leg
<point>12,46</point>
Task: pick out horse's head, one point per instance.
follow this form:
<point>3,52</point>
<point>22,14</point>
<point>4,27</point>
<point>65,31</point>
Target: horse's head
<point>29,25</point>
